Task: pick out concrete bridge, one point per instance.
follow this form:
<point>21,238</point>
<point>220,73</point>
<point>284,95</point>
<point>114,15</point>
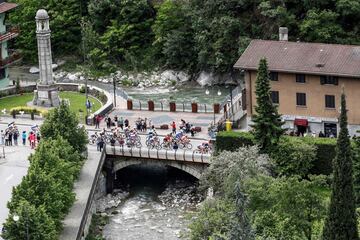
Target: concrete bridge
<point>98,174</point>
<point>120,157</point>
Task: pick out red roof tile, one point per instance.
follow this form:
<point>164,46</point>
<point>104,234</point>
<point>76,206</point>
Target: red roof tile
<point>4,7</point>
<point>300,57</point>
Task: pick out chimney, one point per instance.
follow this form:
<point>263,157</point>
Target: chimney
<point>283,34</point>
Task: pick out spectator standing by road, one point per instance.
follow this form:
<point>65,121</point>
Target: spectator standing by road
<point>23,137</point>
<point>173,126</point>
<point>101,144</point>
<point>121,123</point>
<point>15,137</point>
<point>108,122</point>
<point>97,121</point>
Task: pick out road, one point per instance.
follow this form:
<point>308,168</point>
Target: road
<point>12,169</point>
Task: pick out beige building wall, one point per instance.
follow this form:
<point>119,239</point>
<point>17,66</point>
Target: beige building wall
<point>315,96</point>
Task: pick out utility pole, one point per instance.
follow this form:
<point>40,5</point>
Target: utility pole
<point>114,84</point>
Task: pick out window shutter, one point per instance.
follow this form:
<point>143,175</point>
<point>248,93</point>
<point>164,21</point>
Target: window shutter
<point>336,80</point>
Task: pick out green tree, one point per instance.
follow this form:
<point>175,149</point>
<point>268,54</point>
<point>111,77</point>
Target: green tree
<point>357,172</point>
<point>129,36</point>
<point>64,23</point>
<point>213,221</point>
<point>241,226</point>
<point>62,122</point>
<point>230,168</point>
<point>32,220</point>
<point>41,189</point>
<point>286,208</point>
<point>174,36</point>
<point>341,223</point>
<point>321,26</point>
<point>267,122</point>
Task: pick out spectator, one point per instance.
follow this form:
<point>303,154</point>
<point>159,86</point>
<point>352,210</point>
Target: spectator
<point>97,121</point>
<point>23,136</point>
<point>173,126</point>
<point>121,123</point>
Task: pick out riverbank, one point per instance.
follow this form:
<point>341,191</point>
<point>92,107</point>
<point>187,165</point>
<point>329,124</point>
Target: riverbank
<point>151,210</point>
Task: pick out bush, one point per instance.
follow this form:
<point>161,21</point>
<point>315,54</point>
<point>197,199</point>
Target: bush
<point>325,153</point>
<point>293,156</point>
<point>231,141</point>
<point>29,110</point>
<point>82,89</point>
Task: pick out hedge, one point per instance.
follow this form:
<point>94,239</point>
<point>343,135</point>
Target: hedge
<point>29,110</point>
<point>231,141</point>
<point>325,148</point>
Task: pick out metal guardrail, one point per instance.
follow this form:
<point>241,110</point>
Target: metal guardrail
<point>91,196</point>
<point>171,155</point>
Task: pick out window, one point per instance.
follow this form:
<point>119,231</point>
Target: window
<point>275,97</point>
<point>329,101</point>
<point>2,73</point>
<point>301,99</point>
<point>329,80</point>
<point>274,76</point>
<point>300,78</point>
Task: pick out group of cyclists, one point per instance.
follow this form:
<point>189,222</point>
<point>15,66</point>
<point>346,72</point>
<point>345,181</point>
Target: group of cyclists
<point>130,137</point>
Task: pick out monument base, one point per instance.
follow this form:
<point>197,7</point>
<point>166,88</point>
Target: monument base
<point>46,96</point>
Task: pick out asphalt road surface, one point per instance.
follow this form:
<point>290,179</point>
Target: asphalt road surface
<point>12,169</point>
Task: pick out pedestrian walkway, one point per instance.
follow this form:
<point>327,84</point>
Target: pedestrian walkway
<point>83,188</point>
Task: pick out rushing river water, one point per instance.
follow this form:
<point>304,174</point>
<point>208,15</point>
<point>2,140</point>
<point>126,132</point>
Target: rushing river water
<point>157,207</point>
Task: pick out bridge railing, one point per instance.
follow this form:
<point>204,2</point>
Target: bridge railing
<point>172,155</point>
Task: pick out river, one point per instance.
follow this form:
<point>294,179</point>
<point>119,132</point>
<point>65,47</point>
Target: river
<point>158,206</point>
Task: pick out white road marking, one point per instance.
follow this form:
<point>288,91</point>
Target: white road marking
<point>9,177</point>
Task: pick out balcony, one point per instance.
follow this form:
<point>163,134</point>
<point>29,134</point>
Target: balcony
<point>10,34</point>
<point>14,56</point>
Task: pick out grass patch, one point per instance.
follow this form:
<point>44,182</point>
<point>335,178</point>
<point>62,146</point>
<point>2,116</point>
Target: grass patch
<point>77,102</point>
<point>15,101</point>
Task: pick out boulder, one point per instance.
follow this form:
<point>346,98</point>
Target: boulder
<point>205,79</point>
<point>34,70</point>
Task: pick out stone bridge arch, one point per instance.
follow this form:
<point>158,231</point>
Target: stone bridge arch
<point>194,170</point>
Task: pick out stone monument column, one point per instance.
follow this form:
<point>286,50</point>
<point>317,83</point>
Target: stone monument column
<point>46,94</point>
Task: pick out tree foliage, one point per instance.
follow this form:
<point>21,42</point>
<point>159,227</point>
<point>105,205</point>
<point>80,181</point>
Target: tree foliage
<point>64,123</point>
<point>341,222</point>
<point>267,121</point>
<point>34,219</point>
<point>286,208</point>
<point>64,24</point>
<point>230,168</point>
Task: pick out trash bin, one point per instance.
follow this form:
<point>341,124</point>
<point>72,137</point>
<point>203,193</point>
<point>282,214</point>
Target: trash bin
<point>89,120</point>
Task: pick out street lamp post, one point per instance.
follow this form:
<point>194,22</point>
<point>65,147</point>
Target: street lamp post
<point>114,85</point>
<point>207,92</point>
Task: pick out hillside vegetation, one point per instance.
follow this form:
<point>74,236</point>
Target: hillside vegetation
<point>190,35</point>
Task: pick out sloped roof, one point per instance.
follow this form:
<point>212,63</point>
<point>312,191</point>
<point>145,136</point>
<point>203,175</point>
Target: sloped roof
<point>5,6</point>
<point>300,57</point>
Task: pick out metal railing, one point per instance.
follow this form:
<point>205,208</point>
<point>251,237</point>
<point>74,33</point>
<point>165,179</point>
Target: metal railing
<point>147,153</point>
